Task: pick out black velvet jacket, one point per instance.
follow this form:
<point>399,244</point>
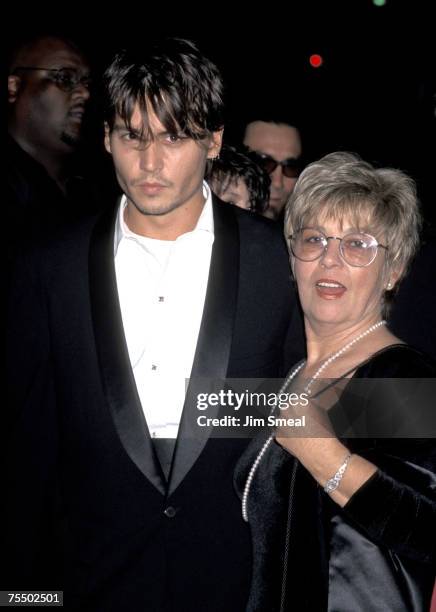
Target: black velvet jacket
<point>377,554</point>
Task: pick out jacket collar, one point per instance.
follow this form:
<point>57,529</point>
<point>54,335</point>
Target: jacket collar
<point>210,361</point>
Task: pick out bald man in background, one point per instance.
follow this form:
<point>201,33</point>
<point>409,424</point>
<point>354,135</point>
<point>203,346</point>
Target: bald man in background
<point>48,93</point>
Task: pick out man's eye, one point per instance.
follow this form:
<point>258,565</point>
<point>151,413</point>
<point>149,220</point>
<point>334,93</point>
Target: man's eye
<point>66,75</point>
<point>86,82</point>
<point>174,138</point>
<point>64,79</point>
<point>129,136</point>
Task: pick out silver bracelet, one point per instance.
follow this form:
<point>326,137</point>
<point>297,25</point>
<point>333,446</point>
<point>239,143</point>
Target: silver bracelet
<point>333,483</point>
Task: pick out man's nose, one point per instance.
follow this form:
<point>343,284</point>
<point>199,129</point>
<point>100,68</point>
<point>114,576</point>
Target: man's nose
<point>277,178</point>
<point>151,158</point>
<point>81,91</point>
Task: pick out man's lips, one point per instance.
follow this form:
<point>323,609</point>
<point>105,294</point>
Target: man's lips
<point>76,113</point>
<point>329,289</point>
<point>150,188</point>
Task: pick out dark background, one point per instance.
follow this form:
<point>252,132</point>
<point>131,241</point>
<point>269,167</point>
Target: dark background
<point>374,93</point>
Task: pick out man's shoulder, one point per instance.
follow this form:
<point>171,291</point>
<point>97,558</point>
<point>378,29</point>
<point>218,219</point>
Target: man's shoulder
<point>69,237</point>
<point>251,224</point>
<point>67,246</point>
<point>258,223</point>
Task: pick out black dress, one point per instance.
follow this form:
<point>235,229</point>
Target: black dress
<point>377,554</point>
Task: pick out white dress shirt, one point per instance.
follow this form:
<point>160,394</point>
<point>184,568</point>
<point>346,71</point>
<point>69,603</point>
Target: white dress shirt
<point>162,287</point>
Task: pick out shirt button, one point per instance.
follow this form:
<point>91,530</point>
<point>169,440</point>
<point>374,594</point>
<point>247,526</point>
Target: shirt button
<point>170,512</point>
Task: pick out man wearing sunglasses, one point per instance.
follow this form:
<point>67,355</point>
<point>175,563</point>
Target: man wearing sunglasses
<point>276,145</point>
<point>48,91</point>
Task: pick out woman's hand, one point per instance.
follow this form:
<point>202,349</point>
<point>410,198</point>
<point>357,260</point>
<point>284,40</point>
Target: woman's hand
<point>318,449</point>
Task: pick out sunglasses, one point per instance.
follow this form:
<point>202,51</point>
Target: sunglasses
<point>65,79</point>
<point>291,167</point>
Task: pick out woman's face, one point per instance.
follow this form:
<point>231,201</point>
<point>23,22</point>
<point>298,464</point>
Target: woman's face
<point>334,292</point>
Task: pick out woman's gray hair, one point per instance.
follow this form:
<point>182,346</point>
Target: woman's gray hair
<point>381,201</point>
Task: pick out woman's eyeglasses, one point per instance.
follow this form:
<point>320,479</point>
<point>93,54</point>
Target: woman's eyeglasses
<point>356,249</point>
<point>66,79</point>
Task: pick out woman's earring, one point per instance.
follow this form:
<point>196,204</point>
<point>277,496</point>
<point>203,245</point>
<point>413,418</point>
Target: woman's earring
<point>389,287</point>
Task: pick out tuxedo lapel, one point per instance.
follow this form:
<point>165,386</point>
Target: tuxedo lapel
<point>116,372</point>
<point>214,340</point>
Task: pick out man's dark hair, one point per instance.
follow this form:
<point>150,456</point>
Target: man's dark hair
<point>284,111</point>
<point>183,88</point>
<point>233,164</point>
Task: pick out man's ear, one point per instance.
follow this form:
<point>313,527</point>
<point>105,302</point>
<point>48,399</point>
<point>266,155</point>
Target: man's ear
<point>14,83</point>
<point>107,139</point>
<point>215,143</point>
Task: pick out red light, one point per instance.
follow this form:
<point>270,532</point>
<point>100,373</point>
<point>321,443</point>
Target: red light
<point>315,60</point>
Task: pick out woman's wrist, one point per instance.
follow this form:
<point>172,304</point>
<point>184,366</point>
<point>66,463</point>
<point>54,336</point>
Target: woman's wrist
<point>323,458</point>
<point>320,456</point>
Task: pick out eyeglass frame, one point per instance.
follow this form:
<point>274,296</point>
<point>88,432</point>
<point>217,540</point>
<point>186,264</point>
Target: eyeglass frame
<point>293,163</point>
<point>375,243</point>
<point>85,81</point>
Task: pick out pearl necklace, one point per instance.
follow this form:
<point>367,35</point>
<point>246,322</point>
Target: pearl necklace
<point>283,388</point>
<point>342,350</point>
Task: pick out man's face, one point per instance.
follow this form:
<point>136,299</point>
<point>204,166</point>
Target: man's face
<point>161,176</point>
<point>281,142</point>
<point>45,115</point>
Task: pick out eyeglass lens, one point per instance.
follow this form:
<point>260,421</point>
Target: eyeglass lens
<point>290,167</point>
<point>68,79</point>
<point>357,249</point>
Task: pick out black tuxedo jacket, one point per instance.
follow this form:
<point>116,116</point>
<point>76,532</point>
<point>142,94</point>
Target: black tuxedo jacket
<point>87,495</point>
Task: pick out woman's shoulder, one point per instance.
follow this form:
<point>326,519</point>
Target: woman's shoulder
<point>397,361</point>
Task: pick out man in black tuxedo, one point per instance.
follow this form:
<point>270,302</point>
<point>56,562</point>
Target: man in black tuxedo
<point>107,322</point>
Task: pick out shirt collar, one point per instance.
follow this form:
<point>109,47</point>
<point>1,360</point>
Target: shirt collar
<point>204,223</point>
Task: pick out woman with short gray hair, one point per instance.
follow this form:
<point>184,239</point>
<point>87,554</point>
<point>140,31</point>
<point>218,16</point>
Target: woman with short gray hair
<point>342,510</point>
